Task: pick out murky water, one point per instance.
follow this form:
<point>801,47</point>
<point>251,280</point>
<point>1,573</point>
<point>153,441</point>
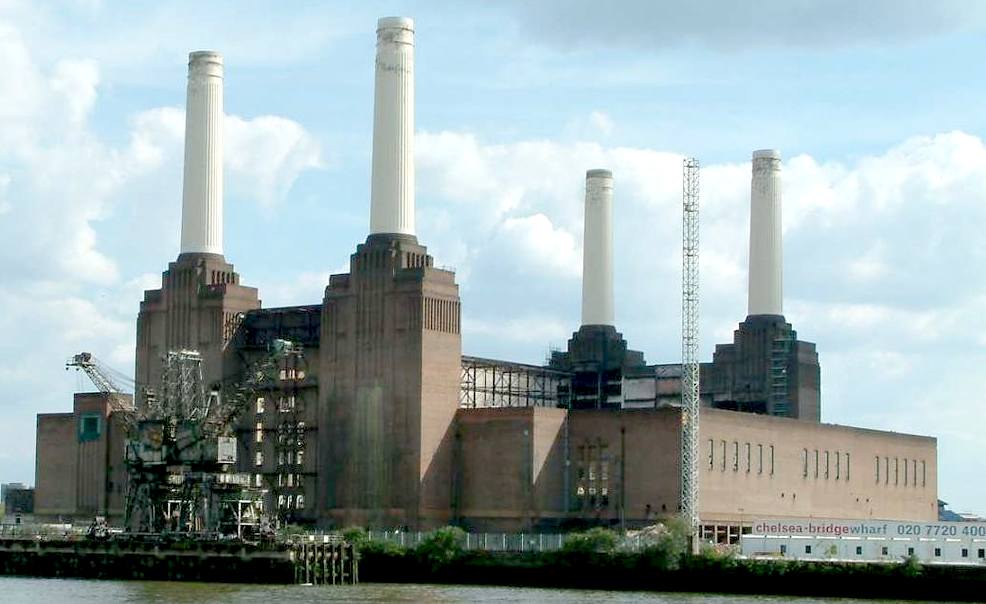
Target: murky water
<point>55,591</point>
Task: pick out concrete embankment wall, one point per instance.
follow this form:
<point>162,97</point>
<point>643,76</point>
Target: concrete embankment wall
<point>212,562</point>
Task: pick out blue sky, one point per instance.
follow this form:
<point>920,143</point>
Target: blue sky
<point>875,106</point>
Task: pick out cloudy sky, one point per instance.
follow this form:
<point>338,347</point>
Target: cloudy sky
<point>876,107</point>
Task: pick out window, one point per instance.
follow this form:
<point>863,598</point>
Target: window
<point>923,473</point>
<point>981,553</point>
<point>723,444</point>
<point>886,470</point>
<point>300,502</point>
<point>807,549</point>
<point>260,404</point>
<point>878,469</point>
<point>804,463</point>
<point>937,552</point>
<point>910,551</point>
<point>747,458</point>
<point>89,426</point>
<point>847,466</point>
<point>783,549</point>
<point>280,458</point>
<point>965,553</point>
<point>816,463</point>
<point>771,460</point>
<point>290,502</point>
<point>760,458</point>
<point>838,465</point>
<point>885,551</point>
<point>290,480</point>
<point>826,465</point>
<point>258,480</point>
<point>280,501</point>
<point>735,456</point>
<point>896,473</point>
<point>301,457</point>
<point>712,454</point>
<point>260,433</point>
<point>905,471</point>
<point>859,550</point>
<point>301,434</point>
<point>259,458</point>
<point>914,464</point>
<point>280,480</point>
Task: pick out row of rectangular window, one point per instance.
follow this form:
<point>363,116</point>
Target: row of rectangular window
<point>834,464</point>
<point>910,471</point>
<point>287,502</point>
<point>284,404</point>
<point>747,454</point>
<point>885,551</point>
<point>292,374</point>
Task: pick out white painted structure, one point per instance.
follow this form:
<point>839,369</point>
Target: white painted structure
<point>392,178</point>
<point>867,541</point>
<point>766,249</point>
<point>597,249</point>
<point>202,191</point>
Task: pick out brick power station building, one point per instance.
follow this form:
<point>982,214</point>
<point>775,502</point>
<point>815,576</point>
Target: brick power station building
<point>383,422</point>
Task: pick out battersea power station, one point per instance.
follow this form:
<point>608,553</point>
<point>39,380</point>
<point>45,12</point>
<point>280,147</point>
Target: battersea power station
<point>380,420</point>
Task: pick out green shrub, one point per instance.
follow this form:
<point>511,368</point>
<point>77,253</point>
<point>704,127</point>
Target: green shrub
<point>911,566</point>
<point>355,535</point>
<point>665,551</point>
<point>442,546</point>
<point>595,540</point>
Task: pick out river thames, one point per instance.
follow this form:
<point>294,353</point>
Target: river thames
<point>16,590</point>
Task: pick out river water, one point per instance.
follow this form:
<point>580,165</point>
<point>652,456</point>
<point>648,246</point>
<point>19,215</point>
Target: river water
<point>15,590</point>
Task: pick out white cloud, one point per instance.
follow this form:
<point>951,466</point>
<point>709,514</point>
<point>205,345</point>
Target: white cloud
<point>265,155</point>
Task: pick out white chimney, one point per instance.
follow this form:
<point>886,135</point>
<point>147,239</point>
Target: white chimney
<point>392,179</point>
<point>766,252</point>
<point>202,194</point>
<point>597,249</point>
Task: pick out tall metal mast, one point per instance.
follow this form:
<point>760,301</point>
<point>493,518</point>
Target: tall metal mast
<point>689,347</point>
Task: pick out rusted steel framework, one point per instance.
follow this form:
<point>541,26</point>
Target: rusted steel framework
<point>493,383</point>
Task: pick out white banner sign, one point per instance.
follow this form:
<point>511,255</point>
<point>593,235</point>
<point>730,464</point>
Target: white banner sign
<point>816,527</point>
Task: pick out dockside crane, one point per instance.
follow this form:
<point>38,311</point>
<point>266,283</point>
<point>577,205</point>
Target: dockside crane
<point>104,378</point>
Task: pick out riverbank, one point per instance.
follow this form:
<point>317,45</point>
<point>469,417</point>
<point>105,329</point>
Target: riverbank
<point>708,574</point>
<point>136,560</point>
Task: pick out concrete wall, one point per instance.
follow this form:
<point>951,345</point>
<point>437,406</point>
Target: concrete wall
<point>198,307</point>
<point>390,363</point>
<point>55,469</point>
<point>81,473</point>
<point>733,494</point>
<point>624,466</point>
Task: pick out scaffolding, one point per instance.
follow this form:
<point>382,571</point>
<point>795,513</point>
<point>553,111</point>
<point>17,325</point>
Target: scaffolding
<point>493,383</point>
<point>689,346</point>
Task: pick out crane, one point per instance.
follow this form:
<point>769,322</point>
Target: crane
<point>103,378</point>
<point>689,349</point>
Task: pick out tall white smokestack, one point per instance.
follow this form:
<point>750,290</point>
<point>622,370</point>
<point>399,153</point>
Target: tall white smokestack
<point>597,249</point>
<point>766,251</point>
<point>202,194</point>
<point>392,180</point>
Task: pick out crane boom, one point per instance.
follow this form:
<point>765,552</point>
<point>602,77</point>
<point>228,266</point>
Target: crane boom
<point>100,376</point>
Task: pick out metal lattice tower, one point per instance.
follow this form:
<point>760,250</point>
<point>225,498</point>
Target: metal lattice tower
<point>689,345</point>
